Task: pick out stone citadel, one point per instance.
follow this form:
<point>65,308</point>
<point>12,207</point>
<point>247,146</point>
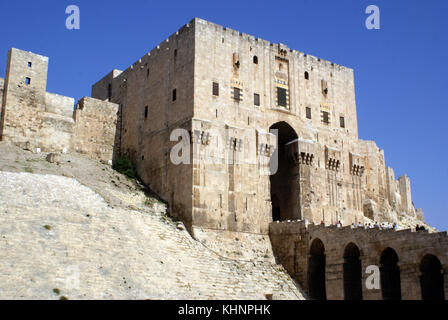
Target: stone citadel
<point>245,101</point>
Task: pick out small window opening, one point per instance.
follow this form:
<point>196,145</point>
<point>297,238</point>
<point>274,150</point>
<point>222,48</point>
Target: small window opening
<point>174,94</point>
<point>28,81</point>
<point>237,94</point>
<point>307,75</point>
<point>175,52</point>
<point>342,122</point>
<point>215,89</point>
<point>325,117</point>
<point>30,64</point>
<point>324,85</point>
<point>109,91</point>
<point>308,112</point>
<point>146,112</point>
<point>281,97</point>
<point>255,59</point>
<point>256,99</point>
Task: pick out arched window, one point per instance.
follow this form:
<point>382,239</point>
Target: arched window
<point>307,75</point>
<point>352,273</point>
<point>255,59</point>
<point>390,275</point>
<point>431,279</point>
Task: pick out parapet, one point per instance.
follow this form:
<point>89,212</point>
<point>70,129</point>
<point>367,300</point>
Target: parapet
<point>58,104</point>
<point>228,32</point>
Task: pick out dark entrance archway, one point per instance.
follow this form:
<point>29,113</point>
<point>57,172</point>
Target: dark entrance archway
<point>431,279</point>
<point>352,273</point>
<point>390,275</point>
<point>316,271</point>
<point>284,181</point>
<point>275,208</point>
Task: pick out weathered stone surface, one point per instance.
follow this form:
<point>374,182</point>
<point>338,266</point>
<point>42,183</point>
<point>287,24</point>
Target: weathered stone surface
<point>325,173</point>
<point>32,118</point>
<point>292,242</point>
<point>54,158</point>
<point>48,235</point>
<point>227,90</point>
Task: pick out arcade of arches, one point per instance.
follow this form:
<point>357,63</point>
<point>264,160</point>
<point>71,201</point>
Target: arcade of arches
<point>331,262</point>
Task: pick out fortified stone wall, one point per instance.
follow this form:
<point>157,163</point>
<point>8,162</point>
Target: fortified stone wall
<point>292,243</point>
<point>258,69</point>
<point>35,119</point>
<point>331,176</point>
<point>229,89</point>
<point>155,96</point>
<point>95,128</point>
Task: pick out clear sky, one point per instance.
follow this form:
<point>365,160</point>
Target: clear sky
<point>400,70</point>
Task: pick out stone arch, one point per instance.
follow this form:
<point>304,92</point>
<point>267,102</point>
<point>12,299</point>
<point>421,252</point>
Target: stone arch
<point>352,272</point>
<point>316,271</point>
<point>431,278</point>
<point>284,180</point>
<point>390,275</point>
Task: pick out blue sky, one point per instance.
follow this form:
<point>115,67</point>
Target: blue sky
<point>400,70</point>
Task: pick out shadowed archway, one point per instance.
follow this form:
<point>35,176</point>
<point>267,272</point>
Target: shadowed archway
<point>352,273</point>
<point>431,279</point>
<point>390,275</point>
<point>316,271</point>
<point>284,180</point>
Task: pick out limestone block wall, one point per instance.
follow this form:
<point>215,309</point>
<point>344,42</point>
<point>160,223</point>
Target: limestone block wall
<point>156,95</point>
<point>24,98</point>
<point>260,68</point>
<point>223,85</point>
<point>95,128</point>
<point>35,119</point>
<point>57,104</point>
<point>232,60</point>
<point>291,243</point>
<point>106,87</point>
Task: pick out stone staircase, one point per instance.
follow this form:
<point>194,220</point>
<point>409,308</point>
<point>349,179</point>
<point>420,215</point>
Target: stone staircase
<point>59,238</point>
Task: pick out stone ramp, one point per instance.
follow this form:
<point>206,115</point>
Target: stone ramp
<point>54,231</point>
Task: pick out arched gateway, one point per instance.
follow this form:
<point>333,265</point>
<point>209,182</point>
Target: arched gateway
<point>284,176</point>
